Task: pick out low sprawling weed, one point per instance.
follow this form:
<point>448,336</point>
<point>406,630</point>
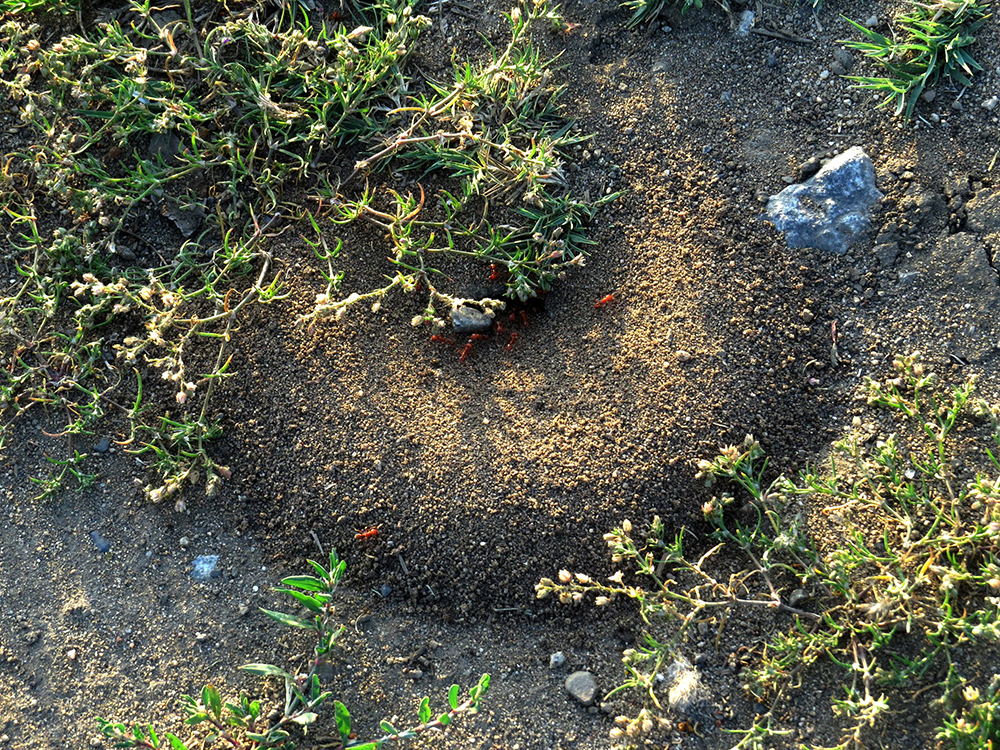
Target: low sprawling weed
<point>245,724</point>
<point>883,562</point>
<point>218,122</point>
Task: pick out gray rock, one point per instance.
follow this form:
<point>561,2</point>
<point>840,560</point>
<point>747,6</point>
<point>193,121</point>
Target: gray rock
<point>102,445</point>
<point>557,660</point>
<point>385,590</point>
<point>204,567</point>
<point>470,320</point>
<point>828,211</point>
<point>984,212</point>
<point>887,253</point>
<point>102,544</point>
<point>844,58</point>
<point>582,686</point>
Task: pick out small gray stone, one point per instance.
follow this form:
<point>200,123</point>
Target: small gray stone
<point>102,544</point>
<point>385,590</point>
<point>872,21</point>
<point>102,445</point>
<point>887,253</point>
<point>843,58</point>
<point>830,210</point>
<point>204,567</point>
<point>466,319</point>
<point>582,686</point>
<point>557,660</point>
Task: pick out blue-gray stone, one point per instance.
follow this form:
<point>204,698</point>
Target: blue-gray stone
<point>831,209</point>
<point>466,319</point>
<point>204,567</point>
<point>102,544</point>
<point>102,445</point>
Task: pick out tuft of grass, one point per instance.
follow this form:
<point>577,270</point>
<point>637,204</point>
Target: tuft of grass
<point>932,43</point>
<point>244,724</point>
<point>647,11</point>
<point>883,563</point>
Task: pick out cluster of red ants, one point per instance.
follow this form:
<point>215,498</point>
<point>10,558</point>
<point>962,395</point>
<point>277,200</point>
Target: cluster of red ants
<point>514,318</point>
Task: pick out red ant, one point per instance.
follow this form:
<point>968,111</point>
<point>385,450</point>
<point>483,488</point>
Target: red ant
<point>466,351</point>
<point>367,533</point>
<point>478,337</point>
<point>442,340</point>
<point>494,273</point>
<point>513,338</point>
<point>604,301</point>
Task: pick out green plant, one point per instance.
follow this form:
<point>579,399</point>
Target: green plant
<point>932,43</point>
<point>218,121</point>
<point>978,726</point>
<point>244,725</point>
<point>883,563</point>
<point>647,11</point>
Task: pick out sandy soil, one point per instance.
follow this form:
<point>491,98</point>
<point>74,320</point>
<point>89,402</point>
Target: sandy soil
<point>483,476</point>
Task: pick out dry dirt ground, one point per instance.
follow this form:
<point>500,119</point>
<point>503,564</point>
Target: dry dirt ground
<point>486,475</point>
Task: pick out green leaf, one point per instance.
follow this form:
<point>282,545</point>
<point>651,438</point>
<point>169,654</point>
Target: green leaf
<point>175,742</point>
<point>387,727</point>
<point>366,746</point>
<point>453,696</point>
<point>425,710</point>
<point>196,718</point>
<point>290,620</point>
<point>342,717</point>
<point>152,736</point>
<point>309,583</point>
<point>211,700</point>
<point>261,738</point>
<point>444,719</point>
<point>305,718</point>
<point>318,568</point>
<point>307,601</point>
<point>264,670</point>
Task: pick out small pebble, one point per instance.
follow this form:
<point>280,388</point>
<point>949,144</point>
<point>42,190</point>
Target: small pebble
<point>582,686</point>
<point>102,445</point>
<point>557,660</point>
<point>990,104</point>
<point>204,567</point>
<point>102,544</point>
<point>824,74</point>
<point>807,316</point>
<point>872,21</point>
<point>184,541</point>
<point>385,590</point>
<point>71,654</point>
<point>683,355</point>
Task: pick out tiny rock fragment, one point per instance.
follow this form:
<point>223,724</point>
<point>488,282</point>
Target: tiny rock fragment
<point>204,567</point>
<point>807,315</point>
<point>582,687</point>
<point>71,654</point>
<point>557,660</point>
<point>102,544</point>
<point>683,355</point>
